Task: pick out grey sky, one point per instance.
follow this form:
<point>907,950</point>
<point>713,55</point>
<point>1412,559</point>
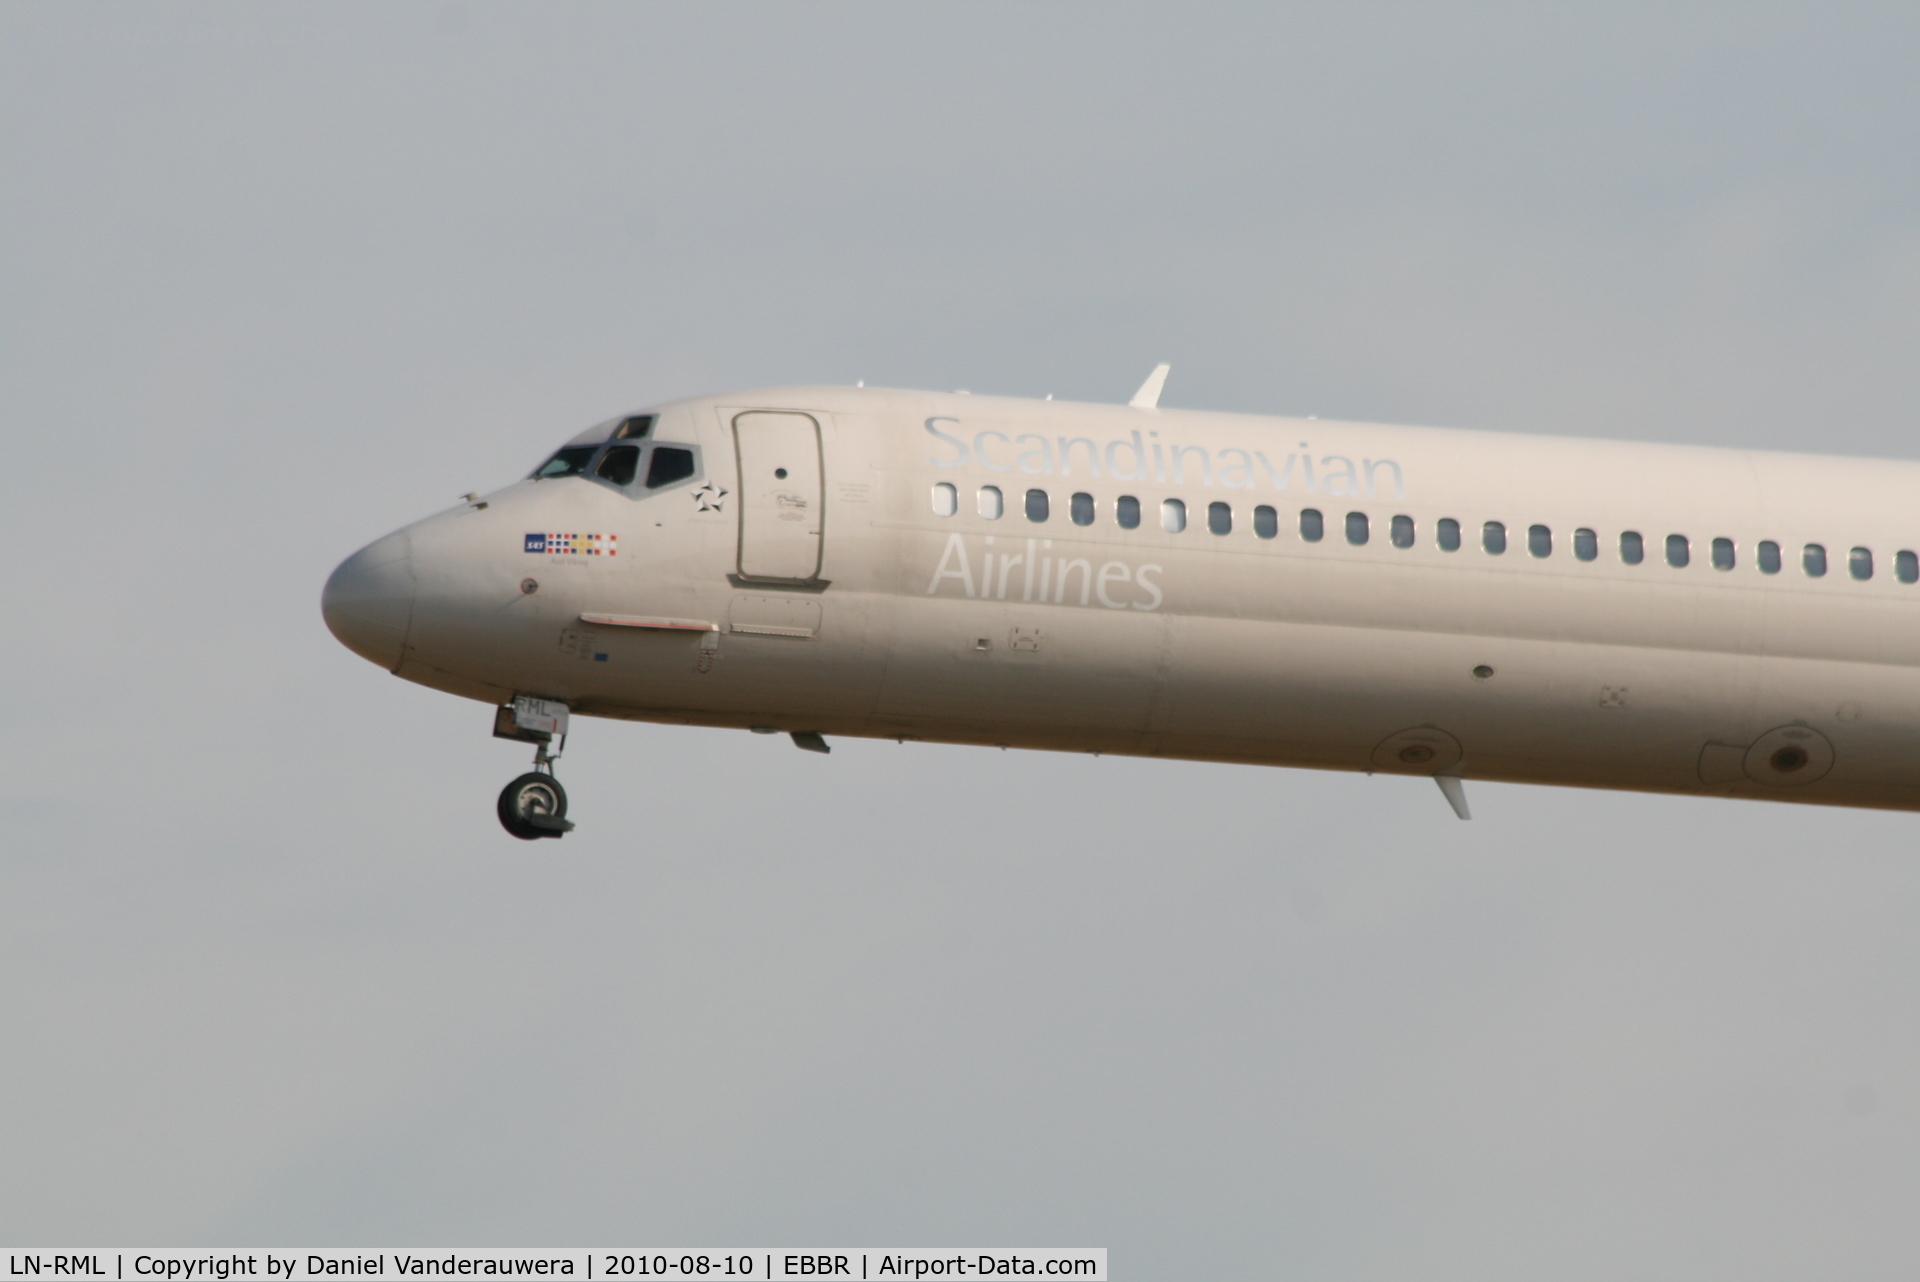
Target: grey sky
<point>279,279</point>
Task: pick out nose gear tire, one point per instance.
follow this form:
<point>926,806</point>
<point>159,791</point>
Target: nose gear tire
<point>534,806</point>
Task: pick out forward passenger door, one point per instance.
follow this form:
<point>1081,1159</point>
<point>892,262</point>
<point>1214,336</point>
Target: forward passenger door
<point>780,495</point>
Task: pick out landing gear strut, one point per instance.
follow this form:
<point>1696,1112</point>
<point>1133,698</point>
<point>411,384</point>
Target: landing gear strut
<point>534,805</point>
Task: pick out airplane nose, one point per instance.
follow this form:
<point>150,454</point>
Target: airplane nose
<point>368,600</point>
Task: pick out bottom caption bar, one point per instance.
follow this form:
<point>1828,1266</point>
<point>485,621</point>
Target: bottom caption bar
<point>287,1264</point>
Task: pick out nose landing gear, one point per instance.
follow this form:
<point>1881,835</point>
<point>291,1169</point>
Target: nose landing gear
<point>534,805</point>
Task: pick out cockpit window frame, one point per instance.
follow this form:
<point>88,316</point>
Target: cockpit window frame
<point>638,488</point>
<point>628,432</point>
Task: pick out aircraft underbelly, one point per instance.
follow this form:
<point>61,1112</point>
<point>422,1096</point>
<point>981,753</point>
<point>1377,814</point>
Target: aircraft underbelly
<point>1316,695</point>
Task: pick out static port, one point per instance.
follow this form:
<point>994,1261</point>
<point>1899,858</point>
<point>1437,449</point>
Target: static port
<point>1788,759</point>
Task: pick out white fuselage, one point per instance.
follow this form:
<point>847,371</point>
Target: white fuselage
<point>830,560</point>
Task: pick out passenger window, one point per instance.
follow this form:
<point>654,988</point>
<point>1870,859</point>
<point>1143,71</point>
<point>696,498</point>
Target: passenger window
<point>1312,527</point>
<point>1539,540</point>
<point>568,462</point>
<point>1723,554</point>
<point>1679,552</point>
<point>1767,555</point>
<point>1357,531</point>
<point>1080,507</point>
<point>1493,537</point>
<point>1813,559</point>
<point>668,465</point>
<point>991,503</point>
<point>1586,545</point>
<point>634,428</point>
<point>1126,512</point>
<point>1448,534</point>
<point>619,464</point>
<point>1906,567</point>
<point>1401,531</point>
<point>946,499</point>
<point>1038,509</point>
<point>1860,563</point>
<point>1266,521</point>
<point>1220,518</point>
<point>1173,515</point>
<point>1633,548</point>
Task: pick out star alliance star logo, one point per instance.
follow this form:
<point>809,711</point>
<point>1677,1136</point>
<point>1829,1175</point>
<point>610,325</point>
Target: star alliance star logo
<point>711,498</point>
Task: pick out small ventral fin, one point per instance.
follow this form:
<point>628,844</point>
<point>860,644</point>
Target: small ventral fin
<point>1455,792</point>
<point>1148,397</point>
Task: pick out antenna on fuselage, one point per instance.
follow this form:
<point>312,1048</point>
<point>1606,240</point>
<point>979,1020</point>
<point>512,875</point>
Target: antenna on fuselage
<point>1148,397</point>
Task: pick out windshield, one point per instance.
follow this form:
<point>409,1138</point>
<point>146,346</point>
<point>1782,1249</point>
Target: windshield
<point>620,464</point>
<point>668,465</point>
<point>570,461</point>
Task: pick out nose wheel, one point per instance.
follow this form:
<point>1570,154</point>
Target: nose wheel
<point>534,806</point>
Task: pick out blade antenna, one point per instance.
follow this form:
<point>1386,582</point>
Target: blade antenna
<point>1148,397</point>
<point>1455,792</point>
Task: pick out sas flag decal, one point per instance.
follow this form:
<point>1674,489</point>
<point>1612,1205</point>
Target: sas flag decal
<point>573,544</point>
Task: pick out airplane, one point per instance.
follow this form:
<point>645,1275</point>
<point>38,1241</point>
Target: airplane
<point>1135,579</point>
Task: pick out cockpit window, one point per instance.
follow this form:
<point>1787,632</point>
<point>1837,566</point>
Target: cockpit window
<point>633,429</point>
<point>620,465</point>
<point>570,461</point>
<point>668,465</point>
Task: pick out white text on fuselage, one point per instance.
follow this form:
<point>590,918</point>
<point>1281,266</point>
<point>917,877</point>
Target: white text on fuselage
<point>1231,468</point>
<point>1036,574</point>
